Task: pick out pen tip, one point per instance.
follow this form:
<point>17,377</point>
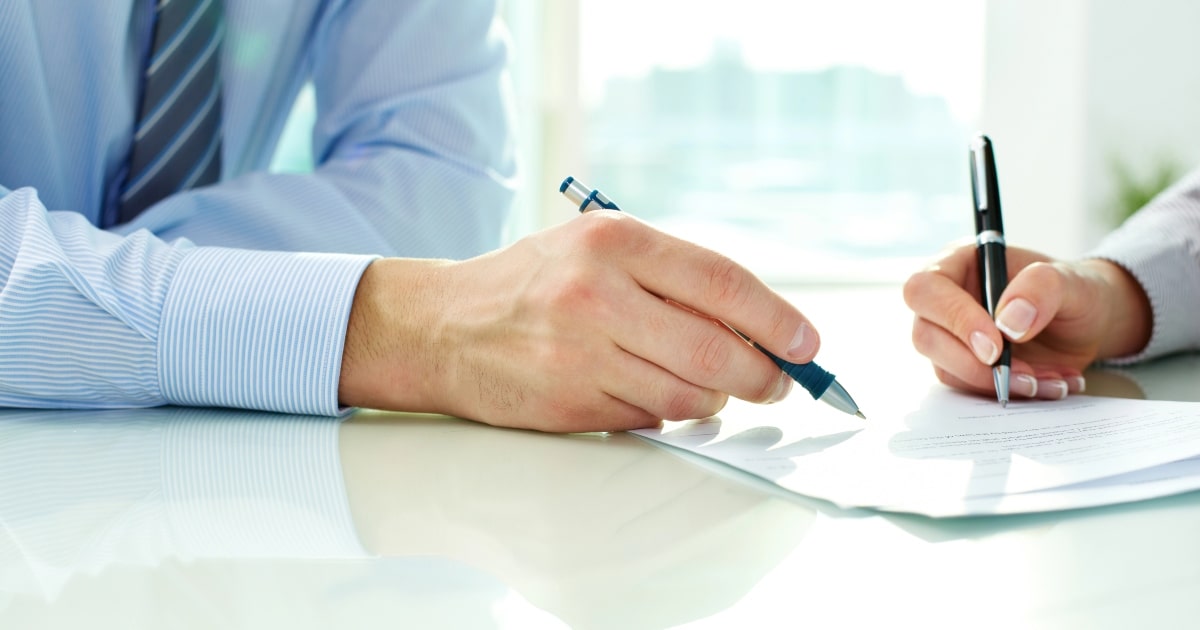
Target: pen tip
<point>859,413</point>
<point>1004,403</point>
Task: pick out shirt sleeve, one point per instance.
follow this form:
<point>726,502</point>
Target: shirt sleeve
<point>91,319</point>
<point>1160,247</point>
<point>412,143</point>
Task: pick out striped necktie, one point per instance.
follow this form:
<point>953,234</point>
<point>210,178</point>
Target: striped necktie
<point>177,139</point>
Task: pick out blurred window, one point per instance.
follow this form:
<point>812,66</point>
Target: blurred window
<point>810,140</point>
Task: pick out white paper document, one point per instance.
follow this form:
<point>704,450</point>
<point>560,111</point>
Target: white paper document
<point>958,454</point>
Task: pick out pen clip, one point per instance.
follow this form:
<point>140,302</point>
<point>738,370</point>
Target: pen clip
<point>978,147</point>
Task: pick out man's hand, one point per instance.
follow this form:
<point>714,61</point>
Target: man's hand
<point>601,323</point>
<point>1061,316</point>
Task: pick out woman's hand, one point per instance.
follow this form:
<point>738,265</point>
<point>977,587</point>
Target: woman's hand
<point>1060,316</point>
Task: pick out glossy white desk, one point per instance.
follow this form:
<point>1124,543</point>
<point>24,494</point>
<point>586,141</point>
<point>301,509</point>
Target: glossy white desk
<point>177,518</point>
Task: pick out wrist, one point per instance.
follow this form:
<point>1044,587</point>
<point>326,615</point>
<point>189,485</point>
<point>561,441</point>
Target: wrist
<point>1130,318</point>
<point>390,360</point>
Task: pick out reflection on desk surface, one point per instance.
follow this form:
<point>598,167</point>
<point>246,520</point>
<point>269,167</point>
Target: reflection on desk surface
<point>1169,378</point>
<point>204,518</point>
<point>219,512</point>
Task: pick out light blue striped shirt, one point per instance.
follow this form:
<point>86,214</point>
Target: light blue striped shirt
<point>205,298</point>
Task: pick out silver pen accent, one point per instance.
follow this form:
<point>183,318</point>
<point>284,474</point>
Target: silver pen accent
<point>1000,375</point>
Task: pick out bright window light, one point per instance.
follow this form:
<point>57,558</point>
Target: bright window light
<point>811,141</point>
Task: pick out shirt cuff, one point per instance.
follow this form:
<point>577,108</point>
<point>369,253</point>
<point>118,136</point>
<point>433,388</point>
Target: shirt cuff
<point>257,330</point>
<point>1166,268</point>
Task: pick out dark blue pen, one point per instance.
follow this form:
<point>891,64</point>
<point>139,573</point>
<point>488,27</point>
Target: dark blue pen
<point>821,384</point>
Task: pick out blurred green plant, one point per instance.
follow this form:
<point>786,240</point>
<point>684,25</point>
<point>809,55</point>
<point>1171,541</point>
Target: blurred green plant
<point>1131,191</point>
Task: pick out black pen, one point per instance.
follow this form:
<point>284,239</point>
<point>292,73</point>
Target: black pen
<point>989,247</point>
<point>821,384</point>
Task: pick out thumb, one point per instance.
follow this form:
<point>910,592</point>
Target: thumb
<point>1039,294</point>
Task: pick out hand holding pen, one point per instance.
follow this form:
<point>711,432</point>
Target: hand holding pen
<point>568,329</point>
<point>820,384</point>
<point>983,300</point>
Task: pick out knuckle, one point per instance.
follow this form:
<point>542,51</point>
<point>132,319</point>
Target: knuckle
<point>922,336</point>
<point>659,322</point>
<point>601,232</point>
<point>683,403</point>
<point>715,405</point>
<point>728,283</point>
<point>710,356</point>
<point>915,288</point>
<point>962,318</point>
<point>574,288</point>
<point>767,387</point>
<point>783,323</point>
<point>956,316</point>
<point>1039,268</point>
<point>1044,275</point>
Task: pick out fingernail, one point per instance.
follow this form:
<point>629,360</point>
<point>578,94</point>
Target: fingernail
<point>1052,389</point>
<point>983,347</point>
<point>1077,384</point>
<point>1023,385</point>
<point>804,343</point>
<point>782,389</point>
<point>1016,317</point>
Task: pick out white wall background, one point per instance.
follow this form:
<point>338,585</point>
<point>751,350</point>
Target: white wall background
<point>1071,85</point>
